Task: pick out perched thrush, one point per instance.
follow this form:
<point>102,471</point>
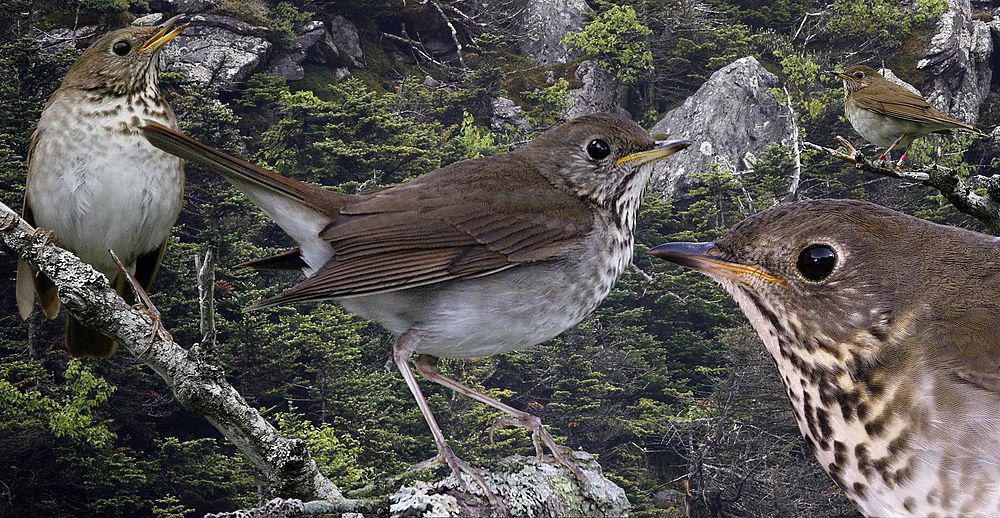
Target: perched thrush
<point>889,115</point>
<point>96,183</point>
<point>474,259</point>
<point>886,333</point>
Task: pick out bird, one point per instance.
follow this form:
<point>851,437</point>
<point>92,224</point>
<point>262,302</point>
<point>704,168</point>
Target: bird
<point>888,115</point>
<point>474,259</point>
<point>93,182</point>
<point>885,330</point>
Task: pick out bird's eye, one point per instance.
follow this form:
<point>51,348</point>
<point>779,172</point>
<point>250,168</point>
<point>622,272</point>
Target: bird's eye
<point>816,262</point>
<point>121,48</point>
<point>598,149</point>
<point>859,75</point>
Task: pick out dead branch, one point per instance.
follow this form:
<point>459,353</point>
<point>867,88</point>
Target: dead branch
<point>957,190</point>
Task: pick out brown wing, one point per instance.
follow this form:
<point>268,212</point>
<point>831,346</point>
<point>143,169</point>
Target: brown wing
<point>968,347</point>
<point>27,281</point>
<point>446,225</point>
<point>895,101</point>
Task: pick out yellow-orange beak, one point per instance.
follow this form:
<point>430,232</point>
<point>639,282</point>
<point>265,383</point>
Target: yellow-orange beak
<point>661,149</point>
<point>706,258</point>
<point>168,31</point>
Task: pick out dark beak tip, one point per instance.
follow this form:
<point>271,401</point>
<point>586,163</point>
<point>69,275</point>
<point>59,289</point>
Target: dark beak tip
<point>679,252</point>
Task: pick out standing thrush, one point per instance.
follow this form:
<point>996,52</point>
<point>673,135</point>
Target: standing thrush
<point>886,332</point>
<point>93,181</point>
<point>474,259</point>
<point>889,115</point>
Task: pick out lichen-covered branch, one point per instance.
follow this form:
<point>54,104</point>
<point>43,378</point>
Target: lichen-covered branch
<point>197,384</point>
<point>529,486</point>
<point>957,190</point>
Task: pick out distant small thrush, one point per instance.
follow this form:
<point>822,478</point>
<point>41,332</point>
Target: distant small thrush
<point>888,115</point>
<point>94,181</point>
<point>474,259</point>
<point>886,333</point>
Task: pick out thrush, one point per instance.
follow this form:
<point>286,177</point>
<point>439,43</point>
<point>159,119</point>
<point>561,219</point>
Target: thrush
<point>94,181</point>
<point>888,115</point>
<point>886,333</point>
<point>471,260</point>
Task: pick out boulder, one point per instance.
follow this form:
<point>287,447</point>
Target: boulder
<point>218,49</point>
<point>545,23</point>
<point>55,40</point>
<point>731,118</point>
<point>599,92</point>
<point>958,61</point>
<point>340,45</point>
<point>288,64</point>
<point>506,113</point>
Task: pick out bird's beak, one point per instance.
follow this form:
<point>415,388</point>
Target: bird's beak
<point>834,73</point>
<point>168,31</point>
<point>661,149</point>
<point>708,259</point>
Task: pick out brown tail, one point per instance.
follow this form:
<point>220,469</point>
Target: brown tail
<point>290,259</point>
<point>84,341</point>
<point>183,146</point>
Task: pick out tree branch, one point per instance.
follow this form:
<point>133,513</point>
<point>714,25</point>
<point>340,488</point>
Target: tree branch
<point>957,190</point>
<point>198,385</point>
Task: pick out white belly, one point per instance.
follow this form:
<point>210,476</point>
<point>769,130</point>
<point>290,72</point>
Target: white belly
<point>98,187</point>
<point>883,130</point>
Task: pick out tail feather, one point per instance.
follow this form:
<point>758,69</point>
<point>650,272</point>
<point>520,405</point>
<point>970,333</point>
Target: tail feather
<point>28,283</point>
<point>288,260</point>
<point>176,143</point>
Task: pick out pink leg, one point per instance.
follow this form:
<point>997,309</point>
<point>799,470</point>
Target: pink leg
<point>402,350</point>
<point>888,151</point>
<point>427,365</point>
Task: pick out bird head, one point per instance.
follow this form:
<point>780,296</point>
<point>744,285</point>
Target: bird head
<point>839,276</point>
<point>604,158</point>
<point>123,61</point>
<point>857,77</point>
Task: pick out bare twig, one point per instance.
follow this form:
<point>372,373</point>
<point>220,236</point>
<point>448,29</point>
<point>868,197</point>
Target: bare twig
<point>205,271</point>
<point>793,184</point>
<point>957,190</point>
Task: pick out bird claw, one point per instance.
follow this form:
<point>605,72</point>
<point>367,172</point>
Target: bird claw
<point>43,237</point>
<point>459,468</point>
<point>540,435</point>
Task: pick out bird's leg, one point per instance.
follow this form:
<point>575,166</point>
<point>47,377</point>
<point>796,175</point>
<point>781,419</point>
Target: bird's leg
<point>402,350</point>
<point>427,365</point>
<point>888,151</point>
<point>146,304</point>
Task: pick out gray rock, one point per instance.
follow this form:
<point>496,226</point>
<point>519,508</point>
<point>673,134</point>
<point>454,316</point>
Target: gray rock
<point>888,74</point>
<point>731,118</point>
<point>958,59</point>
<point>148,20</point>
<point>288,64</point>
<point>600,91</point>
<point>218,49</point>
<point>545,23</point>
<point>183,6</point>
<point>340,45</point>
<point>507,113</point>
<point>51,42</point>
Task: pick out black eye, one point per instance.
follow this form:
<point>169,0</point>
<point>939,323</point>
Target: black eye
<point>816,262</point>
<point>598,149</point>
<point>121,48</point>
<point>859,75</point>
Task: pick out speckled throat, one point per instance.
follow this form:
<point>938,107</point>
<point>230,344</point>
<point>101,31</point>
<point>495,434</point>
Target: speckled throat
<point>896,439</point>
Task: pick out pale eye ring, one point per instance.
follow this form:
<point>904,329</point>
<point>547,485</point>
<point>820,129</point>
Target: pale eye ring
<point>121,48</point>
<point>859,75</point>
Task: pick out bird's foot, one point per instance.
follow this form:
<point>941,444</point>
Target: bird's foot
<point>145,305</point>
<point>539,434</point>
<point>43,237</point>
<point>461,469</point>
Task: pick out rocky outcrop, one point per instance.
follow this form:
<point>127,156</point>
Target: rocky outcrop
<point>732,117</point>
<point>545,23</point>
<point>218,49</point>
<point>599,92</point>
<point>958,61</point>
<point>60,39</point>
<point>506,113</point>
<point>288,64</point>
